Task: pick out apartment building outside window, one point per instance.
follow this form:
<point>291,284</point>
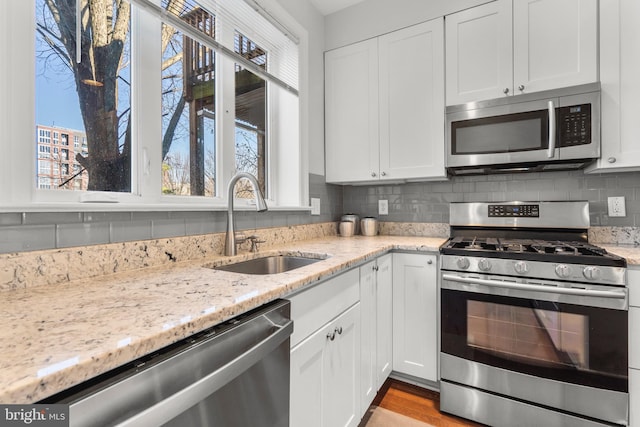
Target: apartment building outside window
<point>55,163</point>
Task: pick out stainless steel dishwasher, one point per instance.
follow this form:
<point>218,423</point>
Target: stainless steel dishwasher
<point>233,375</point>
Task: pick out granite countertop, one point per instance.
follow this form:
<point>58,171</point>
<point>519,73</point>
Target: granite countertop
<point>630,252</point>
<point>57,336</point>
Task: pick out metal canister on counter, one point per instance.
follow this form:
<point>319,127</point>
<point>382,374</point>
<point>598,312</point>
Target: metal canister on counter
<point>369,226</point>
<point>353,218</point>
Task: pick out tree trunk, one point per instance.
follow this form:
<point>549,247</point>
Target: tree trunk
<point>104,32</point>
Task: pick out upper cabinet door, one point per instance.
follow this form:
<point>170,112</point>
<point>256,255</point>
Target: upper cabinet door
<point>555,43</point>
<point>412,102</point>
<point>479,53</point>
<point>620,82</point>
<point>351,112</point>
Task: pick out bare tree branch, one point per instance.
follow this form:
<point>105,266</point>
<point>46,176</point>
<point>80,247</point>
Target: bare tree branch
<point>171,127</point>
<point>171,61</point>
<point>45,33</point>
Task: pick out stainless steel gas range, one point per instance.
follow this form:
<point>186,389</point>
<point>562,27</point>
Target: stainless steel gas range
<point>533,318</point>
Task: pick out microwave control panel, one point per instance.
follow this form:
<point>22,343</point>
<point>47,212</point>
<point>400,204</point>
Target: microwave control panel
<point>532,211</point>
<point>574,125</point>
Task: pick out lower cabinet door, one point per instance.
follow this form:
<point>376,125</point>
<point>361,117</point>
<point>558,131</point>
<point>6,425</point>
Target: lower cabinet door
<point>368,336</point>
<point>384,319</point>
<point>376,326</point>
<point>325,375</point>
<point>342,370</point>
<point>415,326</point>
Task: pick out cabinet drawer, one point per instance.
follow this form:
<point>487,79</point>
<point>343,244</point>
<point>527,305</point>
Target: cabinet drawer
<point>312,308</point>
<point>633,278</point>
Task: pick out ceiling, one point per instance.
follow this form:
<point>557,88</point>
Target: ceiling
<point>327,7</point>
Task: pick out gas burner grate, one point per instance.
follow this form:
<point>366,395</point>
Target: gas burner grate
<point>532,249</point>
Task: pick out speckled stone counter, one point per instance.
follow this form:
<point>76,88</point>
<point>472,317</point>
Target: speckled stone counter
<point>631,253</point>
<point>56,335</point>
<point>621,241</point>
<point>69,315</point>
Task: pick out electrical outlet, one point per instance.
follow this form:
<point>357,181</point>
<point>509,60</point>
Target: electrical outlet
<point>383,207</point>
<point>616,206</point>
<point>315,206</point>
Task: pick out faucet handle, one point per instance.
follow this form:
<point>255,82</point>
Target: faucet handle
<point>240,238</point>
<point>254,242</point>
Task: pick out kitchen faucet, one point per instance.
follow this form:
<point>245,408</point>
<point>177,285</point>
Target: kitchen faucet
<point>261,206</point>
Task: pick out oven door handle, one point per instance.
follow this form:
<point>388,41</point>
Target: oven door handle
<point>539,288</point>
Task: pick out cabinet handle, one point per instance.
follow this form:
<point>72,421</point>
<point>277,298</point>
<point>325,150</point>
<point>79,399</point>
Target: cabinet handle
<point>338,330</point>
<point>331,336</point>
<point>429,262</point>
<point>611,159</point>
<point>383,174</point>
<point>521,88</point>
<point>375,268</point>
<point>373,174</point>
<point>506,91</point>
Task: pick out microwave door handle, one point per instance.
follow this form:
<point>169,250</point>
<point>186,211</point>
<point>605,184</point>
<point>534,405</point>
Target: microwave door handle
<point>552,131</point>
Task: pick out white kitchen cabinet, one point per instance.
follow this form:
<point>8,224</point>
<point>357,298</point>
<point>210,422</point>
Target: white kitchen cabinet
<point>554,43</point>
<point>325,354</point>
<point>415,317</point>
<point>384,328</point>
<point>376,345</point>
<point>412,102</point>
<point>384,107</point>
<point>325,375</point>
<point>351,112</point>
<point>620,86</point>
<point>479,53</point>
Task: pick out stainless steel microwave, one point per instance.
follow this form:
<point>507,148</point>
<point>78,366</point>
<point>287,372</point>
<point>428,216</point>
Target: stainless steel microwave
<point>551,130</point>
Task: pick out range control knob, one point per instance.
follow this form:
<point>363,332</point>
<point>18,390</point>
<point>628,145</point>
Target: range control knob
<point>592,273</point>
<point>521,267</point>
<point>462,263</point>
<point>563,270</point>
<point>484,264</point>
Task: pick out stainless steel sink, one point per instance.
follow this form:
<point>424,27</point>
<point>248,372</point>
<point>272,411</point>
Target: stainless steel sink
<point>268,265</point>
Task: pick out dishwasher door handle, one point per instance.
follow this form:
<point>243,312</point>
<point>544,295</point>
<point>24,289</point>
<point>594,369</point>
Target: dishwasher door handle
<point>184,399</point>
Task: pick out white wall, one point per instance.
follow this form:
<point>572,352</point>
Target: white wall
<point>375,17</point>
<point>312,117</point>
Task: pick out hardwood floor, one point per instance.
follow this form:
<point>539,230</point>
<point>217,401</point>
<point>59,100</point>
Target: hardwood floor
<point>417,403</point>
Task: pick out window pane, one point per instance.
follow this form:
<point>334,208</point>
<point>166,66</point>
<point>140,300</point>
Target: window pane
<point>251,118</point>
<point>97,108</point>
<point>188,108</point>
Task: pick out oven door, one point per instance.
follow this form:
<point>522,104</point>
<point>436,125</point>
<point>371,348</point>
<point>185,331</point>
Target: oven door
<point>554,344</point>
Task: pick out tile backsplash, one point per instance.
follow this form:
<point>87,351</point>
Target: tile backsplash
<point>429,201</point>
<point>29,231</point>
<point>420,202</point>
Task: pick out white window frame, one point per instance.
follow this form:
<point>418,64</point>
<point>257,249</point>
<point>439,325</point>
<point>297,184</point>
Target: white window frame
<point>287,160</point>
